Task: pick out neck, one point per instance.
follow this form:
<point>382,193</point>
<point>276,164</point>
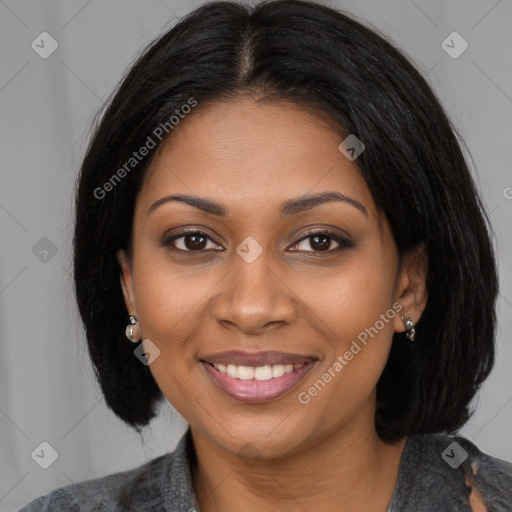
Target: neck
<point>344,471</point>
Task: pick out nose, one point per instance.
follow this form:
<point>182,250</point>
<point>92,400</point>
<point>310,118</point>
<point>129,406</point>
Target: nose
<point>255,297</point>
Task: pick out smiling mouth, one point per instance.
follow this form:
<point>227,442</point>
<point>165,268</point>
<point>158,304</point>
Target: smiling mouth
<point>256,377</point>
<point>266,372</point>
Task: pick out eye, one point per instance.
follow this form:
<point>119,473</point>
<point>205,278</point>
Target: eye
<point>321,241</point>
<point>199,241</point>
<point>191,241</point>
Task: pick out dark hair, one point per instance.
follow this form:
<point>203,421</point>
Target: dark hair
<point>413,165</point>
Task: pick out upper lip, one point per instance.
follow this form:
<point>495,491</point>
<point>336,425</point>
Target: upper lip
<point>262,358</point>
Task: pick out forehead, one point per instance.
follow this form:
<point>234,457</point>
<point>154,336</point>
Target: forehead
<point>247,153</point>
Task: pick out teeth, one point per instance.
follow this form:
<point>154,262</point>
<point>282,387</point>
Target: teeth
<point>257,373</point>
<point>263,373</point>
<point>231,370</point>
<point>245,372</point>
<point>277,370</point>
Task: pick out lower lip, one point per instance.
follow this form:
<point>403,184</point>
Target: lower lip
<point>257,390</point>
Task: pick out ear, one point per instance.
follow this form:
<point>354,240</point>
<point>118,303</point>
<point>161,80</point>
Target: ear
<point>126,281</point>
<point>411,290</point>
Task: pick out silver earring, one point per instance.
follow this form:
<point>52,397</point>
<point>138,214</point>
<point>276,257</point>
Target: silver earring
<point>133,330</point>
<point>409,325</point>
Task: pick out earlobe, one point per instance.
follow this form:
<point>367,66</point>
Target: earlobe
<point>411,290</point>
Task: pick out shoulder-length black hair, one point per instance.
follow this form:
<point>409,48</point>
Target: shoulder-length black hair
<point>413,165</point>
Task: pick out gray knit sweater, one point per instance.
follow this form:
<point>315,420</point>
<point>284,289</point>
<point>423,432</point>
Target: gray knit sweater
<point>432,476</point>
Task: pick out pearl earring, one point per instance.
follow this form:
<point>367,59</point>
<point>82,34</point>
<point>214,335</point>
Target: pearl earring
<point>133,330</point>
<point>409,325</point>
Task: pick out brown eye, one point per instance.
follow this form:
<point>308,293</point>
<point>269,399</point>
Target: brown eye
<point>321,241</point>
<point>194,242</point>
<point>190,241</point>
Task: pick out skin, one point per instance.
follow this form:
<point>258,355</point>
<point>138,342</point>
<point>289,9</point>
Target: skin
<point>279,455</point>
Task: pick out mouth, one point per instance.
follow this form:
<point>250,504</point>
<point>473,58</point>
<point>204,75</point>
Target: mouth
<point>266,372</point>
<point>257,377</point>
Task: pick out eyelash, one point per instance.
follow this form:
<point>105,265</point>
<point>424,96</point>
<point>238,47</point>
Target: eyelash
<point>343,243</point>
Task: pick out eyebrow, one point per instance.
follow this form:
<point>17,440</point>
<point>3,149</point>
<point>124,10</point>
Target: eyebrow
<point>289,207</point>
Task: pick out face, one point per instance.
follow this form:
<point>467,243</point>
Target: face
<point>276,291</point>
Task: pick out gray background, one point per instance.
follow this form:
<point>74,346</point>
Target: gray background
<point>47,389</point>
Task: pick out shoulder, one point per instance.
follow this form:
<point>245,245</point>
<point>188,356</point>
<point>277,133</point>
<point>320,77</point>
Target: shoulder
<point>118,491</point>
<point>488,477</point>
<point>163,483</point>
<point>454,471</point>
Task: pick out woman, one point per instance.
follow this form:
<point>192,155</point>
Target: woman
<point>276,211</point>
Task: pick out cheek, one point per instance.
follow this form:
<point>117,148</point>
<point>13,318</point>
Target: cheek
<point>171,303</point>
<point>168,298</point>
<point>355,307</point>
<point>351,297</point>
